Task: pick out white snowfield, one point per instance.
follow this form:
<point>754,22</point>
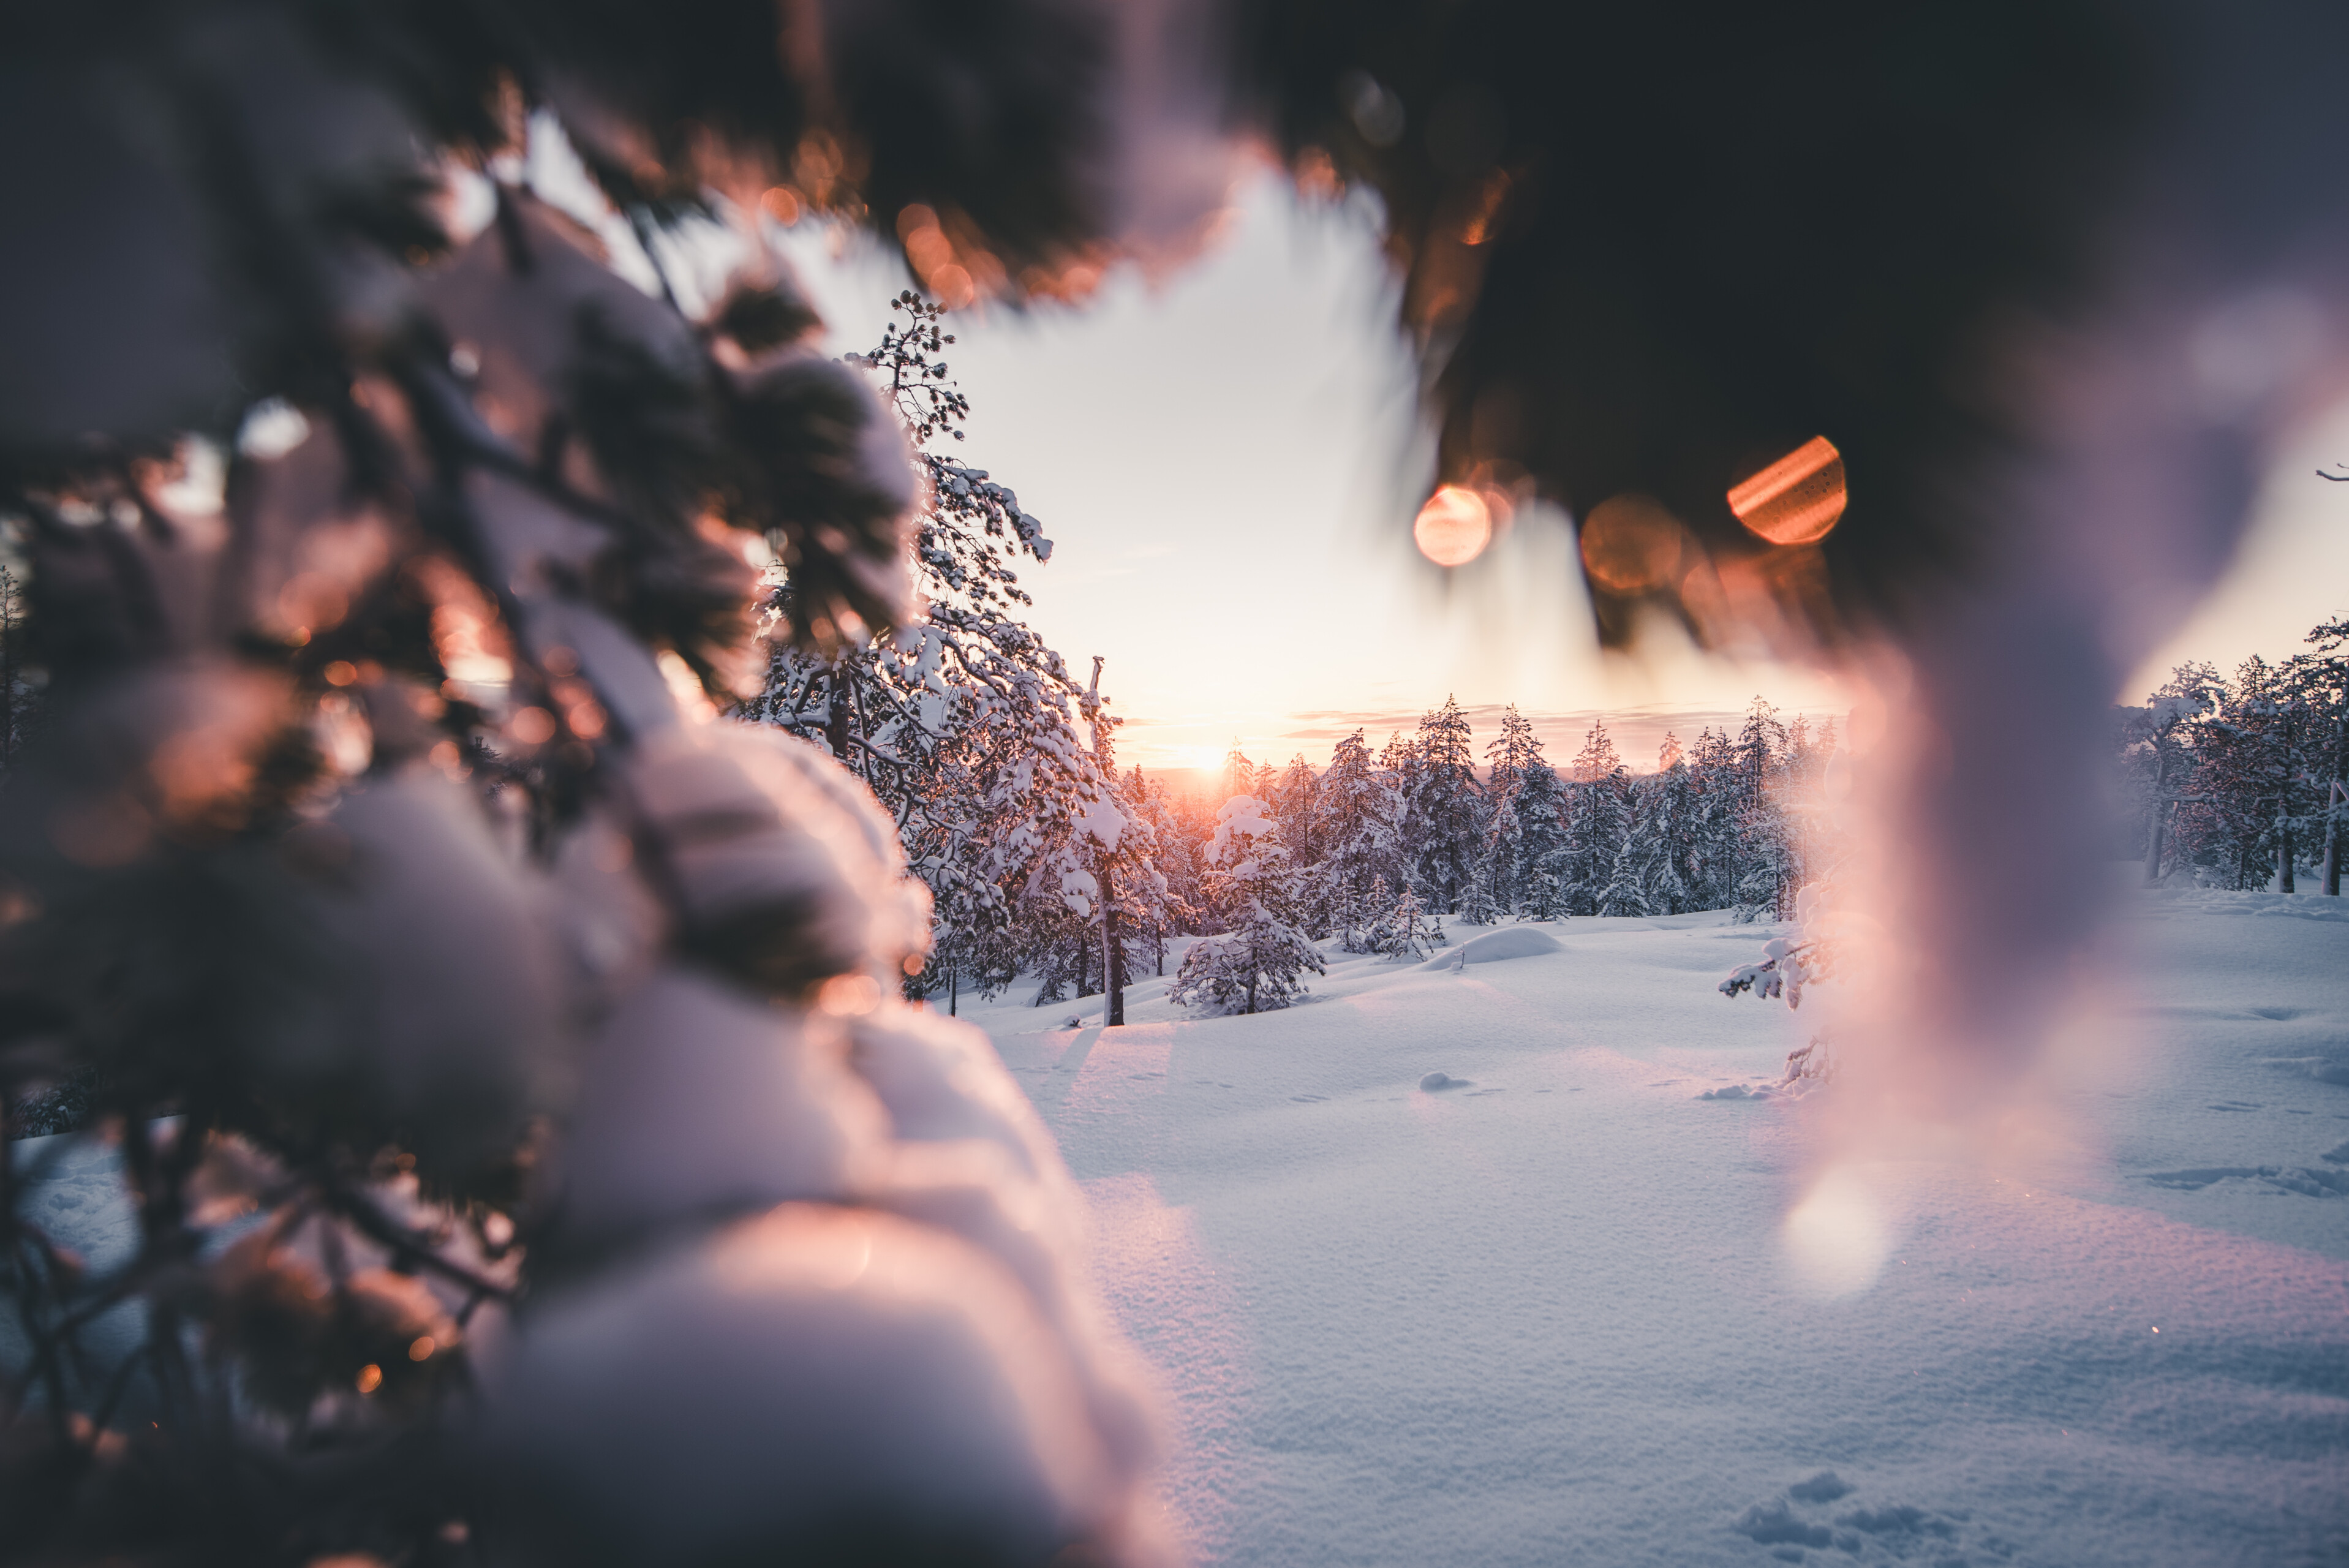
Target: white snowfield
<point>1554,1309</point>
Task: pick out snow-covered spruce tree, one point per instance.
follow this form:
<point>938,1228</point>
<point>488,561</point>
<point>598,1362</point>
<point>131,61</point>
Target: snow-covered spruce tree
<point>1296,802</point>
<point>1377,911</point>
<point>2324,679</point>
<point>1477,904</point>
<point>1357,817</point>
<point>1598,821</point>
<point>1444,804</point>
<point>966,727</point>
<point>1500,870</point>
<point>1109,908</point>
<point>1765,863</point>
<point>1507,757</point>
<point>1258,963</point>
<point>531,1162</point>
<point>1675,811</point>
<point>1152,905</point>
<point>1399,769</point>
<point>1638,878</point>
<point>1539,806</point>
<point>2260,751</point>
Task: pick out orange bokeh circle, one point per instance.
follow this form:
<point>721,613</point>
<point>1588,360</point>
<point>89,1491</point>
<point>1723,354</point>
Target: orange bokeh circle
<point>1453,527</point>
<point>1797,500</point>
<point>1632,544</point>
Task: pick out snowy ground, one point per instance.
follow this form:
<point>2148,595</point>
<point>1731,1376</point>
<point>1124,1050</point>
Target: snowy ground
<point>1554,1316</point>
<point>1551,1315</point>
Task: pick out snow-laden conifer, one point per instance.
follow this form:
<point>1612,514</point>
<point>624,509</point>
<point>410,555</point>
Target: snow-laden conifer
<point>967,725</point>
<point>1444,806</point>
<point>1357,822</point>
<point>1258,963</point>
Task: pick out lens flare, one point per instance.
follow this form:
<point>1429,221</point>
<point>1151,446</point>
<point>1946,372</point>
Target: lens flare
<point>1837,1237</point>
<point>1453,527</point>
<point>1630,545</point>
<point>1797,500</point>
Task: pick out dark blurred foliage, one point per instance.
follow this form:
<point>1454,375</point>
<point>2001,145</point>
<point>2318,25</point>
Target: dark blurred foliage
<point>361,566</point>
<point>1652,248</point>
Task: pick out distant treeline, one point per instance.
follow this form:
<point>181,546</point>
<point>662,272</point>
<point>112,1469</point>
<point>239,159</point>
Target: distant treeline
<point>1418,829</point>
<point>2241,782</point>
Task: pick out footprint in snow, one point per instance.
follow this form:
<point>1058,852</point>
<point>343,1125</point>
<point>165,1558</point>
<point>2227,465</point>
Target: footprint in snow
<point>1309,1098</point>
<point>1901,1529</point>
<point>2301,1180</point>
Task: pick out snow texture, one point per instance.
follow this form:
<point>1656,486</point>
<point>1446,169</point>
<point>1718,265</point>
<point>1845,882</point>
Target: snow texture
<point>1572,1315</point>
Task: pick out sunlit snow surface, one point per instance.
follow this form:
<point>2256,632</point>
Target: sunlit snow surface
<point>1569,1312</point>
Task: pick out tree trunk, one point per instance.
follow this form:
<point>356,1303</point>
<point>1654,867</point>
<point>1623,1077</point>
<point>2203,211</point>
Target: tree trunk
<point>2153,840</point>
<point>2284,853</point>
<point>2338,792</point>
<point>954,989</point>
<point>1113,977</point>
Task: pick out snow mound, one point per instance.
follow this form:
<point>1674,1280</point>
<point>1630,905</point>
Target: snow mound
<point>1740,1092</point>
<point>1435,1083</point>
<point>1516,943</point>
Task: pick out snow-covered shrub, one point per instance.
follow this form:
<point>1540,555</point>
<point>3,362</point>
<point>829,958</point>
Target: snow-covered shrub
<point>1407,935</point>
<point>1789,964</point>
<point>1256,967</point>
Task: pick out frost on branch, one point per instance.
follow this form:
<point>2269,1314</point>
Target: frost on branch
<point>1785,969</point>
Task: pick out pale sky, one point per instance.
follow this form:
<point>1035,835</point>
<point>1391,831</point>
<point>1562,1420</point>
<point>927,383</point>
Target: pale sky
<point>1227,463</point>
<point>2291,571</point>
